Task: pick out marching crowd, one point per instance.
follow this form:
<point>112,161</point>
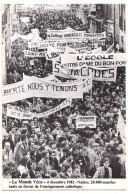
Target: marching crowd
<point>52,147</point>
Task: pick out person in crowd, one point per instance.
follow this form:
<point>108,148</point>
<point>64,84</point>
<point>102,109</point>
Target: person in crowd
<point>104,171</point>
<point>7,153</point>
<point>93,170</point>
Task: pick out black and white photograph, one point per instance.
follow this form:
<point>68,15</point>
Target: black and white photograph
<point>63,95</point>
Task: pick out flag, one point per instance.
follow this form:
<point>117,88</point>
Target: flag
<point>121,127</point>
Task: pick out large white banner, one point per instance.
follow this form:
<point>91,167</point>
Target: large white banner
<point>34,87</point>
<point>84,121</point>
<point>80,45</point>
<point>76,34</point>
<point>98,74</point>
<point>95,60</point>
<point>18,113</point>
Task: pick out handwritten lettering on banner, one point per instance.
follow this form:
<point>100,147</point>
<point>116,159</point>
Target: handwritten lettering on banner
<point>38,88</point>
<point>84,121</point>
<point>17,112</point>
<point>98,74</point>
<point>96,60</point>
<point>28,53</point>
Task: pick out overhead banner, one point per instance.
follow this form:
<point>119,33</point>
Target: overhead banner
<point>95,60</point>
<point>76,34</point>
<point>86,121</point>
<point>81,46</point>
<point>18,113</point>
<point>98,74</point>
<point>32,54</point>
<point>35,87</point>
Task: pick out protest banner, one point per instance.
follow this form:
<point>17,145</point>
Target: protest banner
<point>32,54</point>
<point>53,54</point>
<point>76,34</point>
<point>34,87</point>
<point>18,113</point>
<point>95,60</point>
<point>98,74</point>
<point>64,104</point>
<point>84,121</point>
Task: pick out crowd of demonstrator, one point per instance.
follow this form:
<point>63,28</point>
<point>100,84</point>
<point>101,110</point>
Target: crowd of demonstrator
<point>52,147</point>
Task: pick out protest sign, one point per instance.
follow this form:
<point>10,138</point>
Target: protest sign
<point>32,54</point>
<point>64,104</point>
<point>98,74</point>
<point>95,60</point>
<point>34,87</point>
<point>84,121</point>
<point>76,34</point>
<point>18,113</point>
<point>53,54</point>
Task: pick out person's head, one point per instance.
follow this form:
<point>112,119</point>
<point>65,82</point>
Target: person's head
<point>69,170</point>
<point>53,155</point>
<point>58,126</point>
<point>23,161</point>
<point>87,129</point>
<point>95,146</point>
<point>6,136</point>
<point>13,129</point>
<point>48,131</point>
<point>35,120</point>
<point>7,146</point>
<point>25,176</point>
<point>28,155</point>
<point>32,123</point>
<point>97,163</point>
<point>76,169</point>
<point>33,165</point>
<point>106,162</point>
<point>16,174</point>
<point>7,172</point>
<point>45,154</point>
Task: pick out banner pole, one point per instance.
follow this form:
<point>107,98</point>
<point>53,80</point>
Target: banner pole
<point>33,101</point>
